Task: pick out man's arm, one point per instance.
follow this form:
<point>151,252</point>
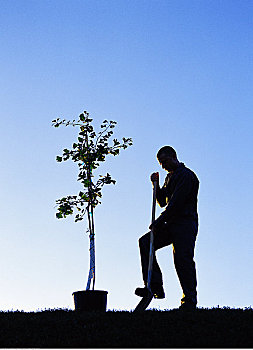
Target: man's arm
<point>160,192</point>
<point>178,198</point>
<point>161,195</point>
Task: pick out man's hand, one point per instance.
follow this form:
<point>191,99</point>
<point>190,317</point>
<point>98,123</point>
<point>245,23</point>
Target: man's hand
<point>157,224</point>
<point>152,228</point>
<point>155,177</point>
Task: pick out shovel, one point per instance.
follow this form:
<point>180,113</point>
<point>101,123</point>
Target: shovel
<point>145,301</point>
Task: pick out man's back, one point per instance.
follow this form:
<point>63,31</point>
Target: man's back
<point>179,194</point>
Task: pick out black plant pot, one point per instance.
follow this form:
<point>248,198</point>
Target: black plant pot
<point>90,300</point>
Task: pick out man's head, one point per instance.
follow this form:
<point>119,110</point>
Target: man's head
<point>167,157</point>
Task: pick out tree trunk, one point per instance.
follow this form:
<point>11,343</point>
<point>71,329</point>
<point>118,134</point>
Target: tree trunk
<point>91,276</point>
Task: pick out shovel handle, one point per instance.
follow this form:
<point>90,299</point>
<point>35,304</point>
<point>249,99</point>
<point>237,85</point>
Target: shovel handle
<point>151,249</point>
<point>154,201</point>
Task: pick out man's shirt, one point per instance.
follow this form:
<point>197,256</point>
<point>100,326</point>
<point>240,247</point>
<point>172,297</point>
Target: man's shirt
<point>180,196</point>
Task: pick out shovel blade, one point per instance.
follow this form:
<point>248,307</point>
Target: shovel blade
<point>144,303</point>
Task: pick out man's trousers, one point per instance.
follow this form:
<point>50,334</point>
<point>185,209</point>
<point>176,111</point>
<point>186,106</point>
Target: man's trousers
<point>182,236</point>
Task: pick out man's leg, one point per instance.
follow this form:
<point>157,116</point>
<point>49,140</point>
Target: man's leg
<point>161,239</point>
<point>184,237</point>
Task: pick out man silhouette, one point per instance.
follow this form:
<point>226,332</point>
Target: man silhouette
<point>177,225</point>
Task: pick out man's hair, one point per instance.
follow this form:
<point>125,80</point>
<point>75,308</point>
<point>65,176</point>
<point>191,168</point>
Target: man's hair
<point>168,150</point>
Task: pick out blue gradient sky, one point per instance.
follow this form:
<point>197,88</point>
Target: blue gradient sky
<point>169,72</point>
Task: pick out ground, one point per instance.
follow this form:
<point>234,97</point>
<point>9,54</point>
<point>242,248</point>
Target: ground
<point>212,328</point>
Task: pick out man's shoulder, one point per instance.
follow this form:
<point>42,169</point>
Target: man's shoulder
<point>185,171</point>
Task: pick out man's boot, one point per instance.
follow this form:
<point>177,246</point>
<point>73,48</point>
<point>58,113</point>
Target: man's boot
<point>157,290</point>
<point>188,304</point>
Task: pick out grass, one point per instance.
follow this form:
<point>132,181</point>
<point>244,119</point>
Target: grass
<point>203,328</point>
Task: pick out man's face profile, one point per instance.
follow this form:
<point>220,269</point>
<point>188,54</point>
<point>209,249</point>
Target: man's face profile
<point>167,162</point>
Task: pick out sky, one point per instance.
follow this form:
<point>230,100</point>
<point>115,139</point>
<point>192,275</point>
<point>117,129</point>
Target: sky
<point>174,72</point>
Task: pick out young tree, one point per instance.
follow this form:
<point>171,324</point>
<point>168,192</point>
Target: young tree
<point>88,151</point>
